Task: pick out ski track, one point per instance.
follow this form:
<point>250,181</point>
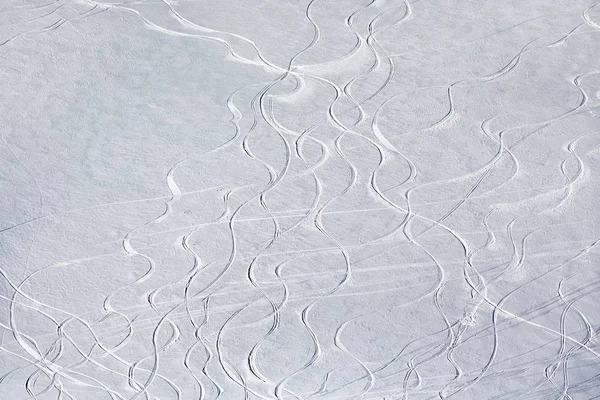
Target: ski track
<point>390,206</point>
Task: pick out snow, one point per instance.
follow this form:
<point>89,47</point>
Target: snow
<point>377,199</point>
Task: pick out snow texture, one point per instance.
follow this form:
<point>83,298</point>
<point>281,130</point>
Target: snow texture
<point>281,199</point>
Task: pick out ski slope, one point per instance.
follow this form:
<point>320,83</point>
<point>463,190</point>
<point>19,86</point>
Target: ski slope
<point>294,200</point>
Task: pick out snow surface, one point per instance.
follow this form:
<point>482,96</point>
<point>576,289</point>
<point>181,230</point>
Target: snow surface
<point>282,199</point>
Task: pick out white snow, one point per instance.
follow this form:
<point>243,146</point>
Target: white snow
<point>276,199</point>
